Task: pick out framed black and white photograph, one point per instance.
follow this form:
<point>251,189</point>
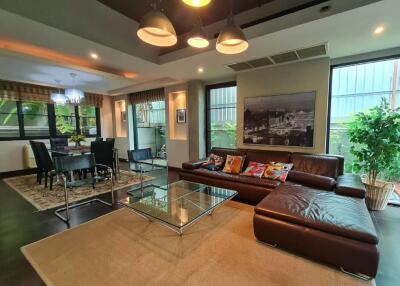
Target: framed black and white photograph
<point>181,116</point>
<point>280,120</point>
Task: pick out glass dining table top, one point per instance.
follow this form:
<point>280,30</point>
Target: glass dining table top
<point>178,204</point>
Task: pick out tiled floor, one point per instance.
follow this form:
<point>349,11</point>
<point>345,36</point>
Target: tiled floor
<point>21,224</point>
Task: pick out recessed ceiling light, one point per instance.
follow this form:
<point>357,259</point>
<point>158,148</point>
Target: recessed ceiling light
<point>379,30</point>
<point>129,75</point>
<point>197,3</point>
<point>94,56</point>
<point>200,70</point>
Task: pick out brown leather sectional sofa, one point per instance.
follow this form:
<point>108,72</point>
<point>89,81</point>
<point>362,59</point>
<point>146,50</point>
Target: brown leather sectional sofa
<point>319,212</point>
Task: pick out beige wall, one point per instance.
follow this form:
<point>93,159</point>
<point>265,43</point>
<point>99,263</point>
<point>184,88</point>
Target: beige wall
<point>310,75</point>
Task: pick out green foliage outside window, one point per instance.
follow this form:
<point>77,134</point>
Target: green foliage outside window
<point>64,123</point>
<point>223,135</point>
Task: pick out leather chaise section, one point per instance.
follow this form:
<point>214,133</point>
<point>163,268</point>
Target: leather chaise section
<point>318,209</point>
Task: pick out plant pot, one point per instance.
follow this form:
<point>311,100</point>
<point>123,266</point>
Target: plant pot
<point>378,195</point>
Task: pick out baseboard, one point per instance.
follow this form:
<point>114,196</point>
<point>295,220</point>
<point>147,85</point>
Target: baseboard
<point>17,173</point>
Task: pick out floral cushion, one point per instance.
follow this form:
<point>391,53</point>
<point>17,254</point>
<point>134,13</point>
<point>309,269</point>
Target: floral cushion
<point>213,163</point>
<point>277,171</point>
<point>233,164</point>
<point>254,169</point>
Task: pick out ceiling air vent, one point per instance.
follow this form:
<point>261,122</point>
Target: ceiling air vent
<point>290,56</point>
<point>285,57</point>
<point>311,52</point>
<point>260,62</point>
<point>240,66</point>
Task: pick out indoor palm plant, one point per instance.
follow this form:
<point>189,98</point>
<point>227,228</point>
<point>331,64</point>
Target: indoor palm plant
<point>375,135</point>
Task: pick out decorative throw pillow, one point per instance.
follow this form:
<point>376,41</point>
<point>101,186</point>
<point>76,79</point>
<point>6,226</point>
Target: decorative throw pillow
<point>213,163</point>
<point>277,171</point>
<point>233,164</point>
<point>254,169</point>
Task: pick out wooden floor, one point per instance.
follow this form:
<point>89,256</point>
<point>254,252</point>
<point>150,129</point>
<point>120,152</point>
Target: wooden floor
<point>21,224</point>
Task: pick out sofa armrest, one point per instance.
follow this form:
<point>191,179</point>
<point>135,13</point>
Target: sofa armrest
<point>312,180</point>
<point>194,164</point>
<point>350,185</point>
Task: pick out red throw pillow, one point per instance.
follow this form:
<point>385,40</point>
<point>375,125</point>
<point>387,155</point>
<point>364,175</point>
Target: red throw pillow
<point>233,164</point>
<point>254,169</point>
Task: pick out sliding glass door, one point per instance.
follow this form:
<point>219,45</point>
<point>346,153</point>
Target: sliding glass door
<point>150,131</point>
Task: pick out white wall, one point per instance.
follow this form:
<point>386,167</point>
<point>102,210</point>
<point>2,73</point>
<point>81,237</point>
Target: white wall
<point>310,75</point>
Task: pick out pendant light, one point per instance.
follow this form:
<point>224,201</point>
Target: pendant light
<point>156,29</point>
<point>57,97</point>
<point>231,39</point>
<point>73,94</point>
<point>197,37</point>
<point>197,3</point>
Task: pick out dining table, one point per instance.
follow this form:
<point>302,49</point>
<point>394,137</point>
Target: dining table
<point>83,149</point>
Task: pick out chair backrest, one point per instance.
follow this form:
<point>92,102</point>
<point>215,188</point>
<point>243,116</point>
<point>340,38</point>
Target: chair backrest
<point>73,163</point>
<point>56,143</point>
<point>139,154</point>
<point>42,156</point>
<point>35,153</point>
<point>103,152</point>
<point>99,139</point>
<point>111,140</point>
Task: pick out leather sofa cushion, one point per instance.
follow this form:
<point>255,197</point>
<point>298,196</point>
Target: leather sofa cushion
<point>350,185</point>
<point>322,210</point>
<point>237,178</point>
<point>312,180</point>
<point>316,164</point>
<point>226,151</point>
<point>194,164</point>
<point>266,156</point>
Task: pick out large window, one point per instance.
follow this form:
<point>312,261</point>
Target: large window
<point>9,125</point>
<point>29,120</point>
<point>35,119</point>
<point>356,88</point>
<point>221,115</point>
<point>88,120</point>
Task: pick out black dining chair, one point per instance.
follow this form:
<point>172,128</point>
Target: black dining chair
<point>99,139</point>
<point>111,140</point>
<point>104,153</point>
<point>57,143</point>
<point>71,164</point>
<point>43,162</point>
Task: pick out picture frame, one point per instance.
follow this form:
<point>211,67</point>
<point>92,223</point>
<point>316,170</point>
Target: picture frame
<point>280,120</point>
<point>181,116</point>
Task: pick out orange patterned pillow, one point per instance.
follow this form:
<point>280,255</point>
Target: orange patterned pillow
<point>233,164</point>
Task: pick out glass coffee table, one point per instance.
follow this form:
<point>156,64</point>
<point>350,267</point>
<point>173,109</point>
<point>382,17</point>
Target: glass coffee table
<point>177,205</point>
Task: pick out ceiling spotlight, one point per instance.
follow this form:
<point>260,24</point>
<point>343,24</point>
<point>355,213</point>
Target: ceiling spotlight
<point>231,39</point>
<point>94,56</point>
<point>200,70</point>
<point>197,37</point>
<point>156,29</point>
<point>197,3</point>
<point>379,30</point>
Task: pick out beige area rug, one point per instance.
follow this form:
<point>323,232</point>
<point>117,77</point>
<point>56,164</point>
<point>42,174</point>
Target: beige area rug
<point>44,199</point>
<point>122,248</point>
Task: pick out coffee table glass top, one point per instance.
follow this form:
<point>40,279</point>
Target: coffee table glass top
<point>178,204</point>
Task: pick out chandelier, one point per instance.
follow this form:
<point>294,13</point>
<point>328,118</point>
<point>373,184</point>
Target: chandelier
<point>156,29</point>
<point>57,97</point>
<point>73,94</point>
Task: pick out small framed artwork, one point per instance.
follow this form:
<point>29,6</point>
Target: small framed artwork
<point>181,116</point>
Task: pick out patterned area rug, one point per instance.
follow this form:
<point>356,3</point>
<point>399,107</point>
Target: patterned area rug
<point>44,199</point>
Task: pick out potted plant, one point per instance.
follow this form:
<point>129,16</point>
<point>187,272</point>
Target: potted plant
<point>77,139</point>
<point>375,135</point>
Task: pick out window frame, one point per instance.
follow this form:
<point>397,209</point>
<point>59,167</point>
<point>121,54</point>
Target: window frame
<point>207,109</point>
<point>52,124</point>
<point>332,67</point>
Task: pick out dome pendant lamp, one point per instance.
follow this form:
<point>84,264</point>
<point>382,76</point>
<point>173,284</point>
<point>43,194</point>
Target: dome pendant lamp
<point>156,29</point>
<point>197,3</point>
<point>231,39</point>
<point>197,37</point>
